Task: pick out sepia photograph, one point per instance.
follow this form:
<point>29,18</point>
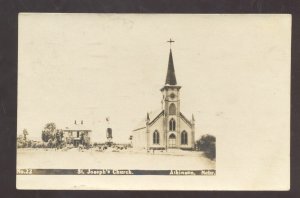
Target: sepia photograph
<point>153,101</point>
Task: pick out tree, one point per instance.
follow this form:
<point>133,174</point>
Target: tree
<point>207,144</point>
<point>49,132</point>
<point>50,143</point>
<point>52,136</point>
<point>46,135</point>
<point>59,138</point>
<point>85,140</point>
<point>50,126</point>
<point>20,141</point>
<point>25,133</point>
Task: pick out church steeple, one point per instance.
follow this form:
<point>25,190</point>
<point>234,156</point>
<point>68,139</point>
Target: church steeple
<point>171,82</point>
<point>171,78</point>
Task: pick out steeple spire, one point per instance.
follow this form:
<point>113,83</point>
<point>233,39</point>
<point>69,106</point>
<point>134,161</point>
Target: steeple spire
<point>171,78</point>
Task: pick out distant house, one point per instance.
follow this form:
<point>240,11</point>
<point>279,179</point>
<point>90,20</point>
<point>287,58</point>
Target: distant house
<point>76,134</point>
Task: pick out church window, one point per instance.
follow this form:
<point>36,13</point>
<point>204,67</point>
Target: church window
<point>172,125</point>
<point>172,109</point>
<point>184,137</point>
<point>155,137</point>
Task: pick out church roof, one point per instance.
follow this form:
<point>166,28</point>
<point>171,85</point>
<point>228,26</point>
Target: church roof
<point>151,115</point>
<point>171,78</point>
<point>185,119</point>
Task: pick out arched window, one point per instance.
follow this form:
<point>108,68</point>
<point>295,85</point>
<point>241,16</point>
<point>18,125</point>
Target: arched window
<point>172,125</point>
<point>184,137</point>
<point>172,109</point>
<point>155,137</point>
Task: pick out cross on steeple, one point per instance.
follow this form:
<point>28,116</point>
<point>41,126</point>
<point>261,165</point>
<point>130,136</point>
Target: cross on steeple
<point>170,41</point>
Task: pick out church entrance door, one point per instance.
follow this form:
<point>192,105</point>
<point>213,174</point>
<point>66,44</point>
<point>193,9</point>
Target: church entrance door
<point>172,141</point>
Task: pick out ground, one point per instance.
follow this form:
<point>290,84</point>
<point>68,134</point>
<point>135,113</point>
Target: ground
<point>128,159</point>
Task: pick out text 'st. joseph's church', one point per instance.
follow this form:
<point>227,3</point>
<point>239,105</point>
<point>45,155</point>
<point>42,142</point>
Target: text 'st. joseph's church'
<point>168,127</point>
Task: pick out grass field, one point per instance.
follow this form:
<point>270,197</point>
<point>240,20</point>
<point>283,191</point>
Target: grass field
<point>128,159</point>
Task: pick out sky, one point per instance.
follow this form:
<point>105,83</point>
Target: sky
<point>234,71</point>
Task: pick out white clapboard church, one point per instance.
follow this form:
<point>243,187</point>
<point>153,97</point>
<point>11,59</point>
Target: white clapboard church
<point>168,127</point>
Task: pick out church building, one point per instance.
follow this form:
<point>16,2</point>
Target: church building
<point>168,127</point>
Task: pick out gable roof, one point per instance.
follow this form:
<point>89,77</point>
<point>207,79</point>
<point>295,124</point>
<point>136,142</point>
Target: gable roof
<point>185,119</point>
<point>77,127</point>
<point>153,116</point>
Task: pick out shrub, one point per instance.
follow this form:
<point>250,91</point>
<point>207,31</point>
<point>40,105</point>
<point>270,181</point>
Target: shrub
<point>207,144</point>
<point>33,145</point>
<point>19,145</point>
<point>29,144</point>
<point>49,143</point>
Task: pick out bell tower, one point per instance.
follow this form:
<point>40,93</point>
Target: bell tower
<point>171,106</point>
<point>170,91</point>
